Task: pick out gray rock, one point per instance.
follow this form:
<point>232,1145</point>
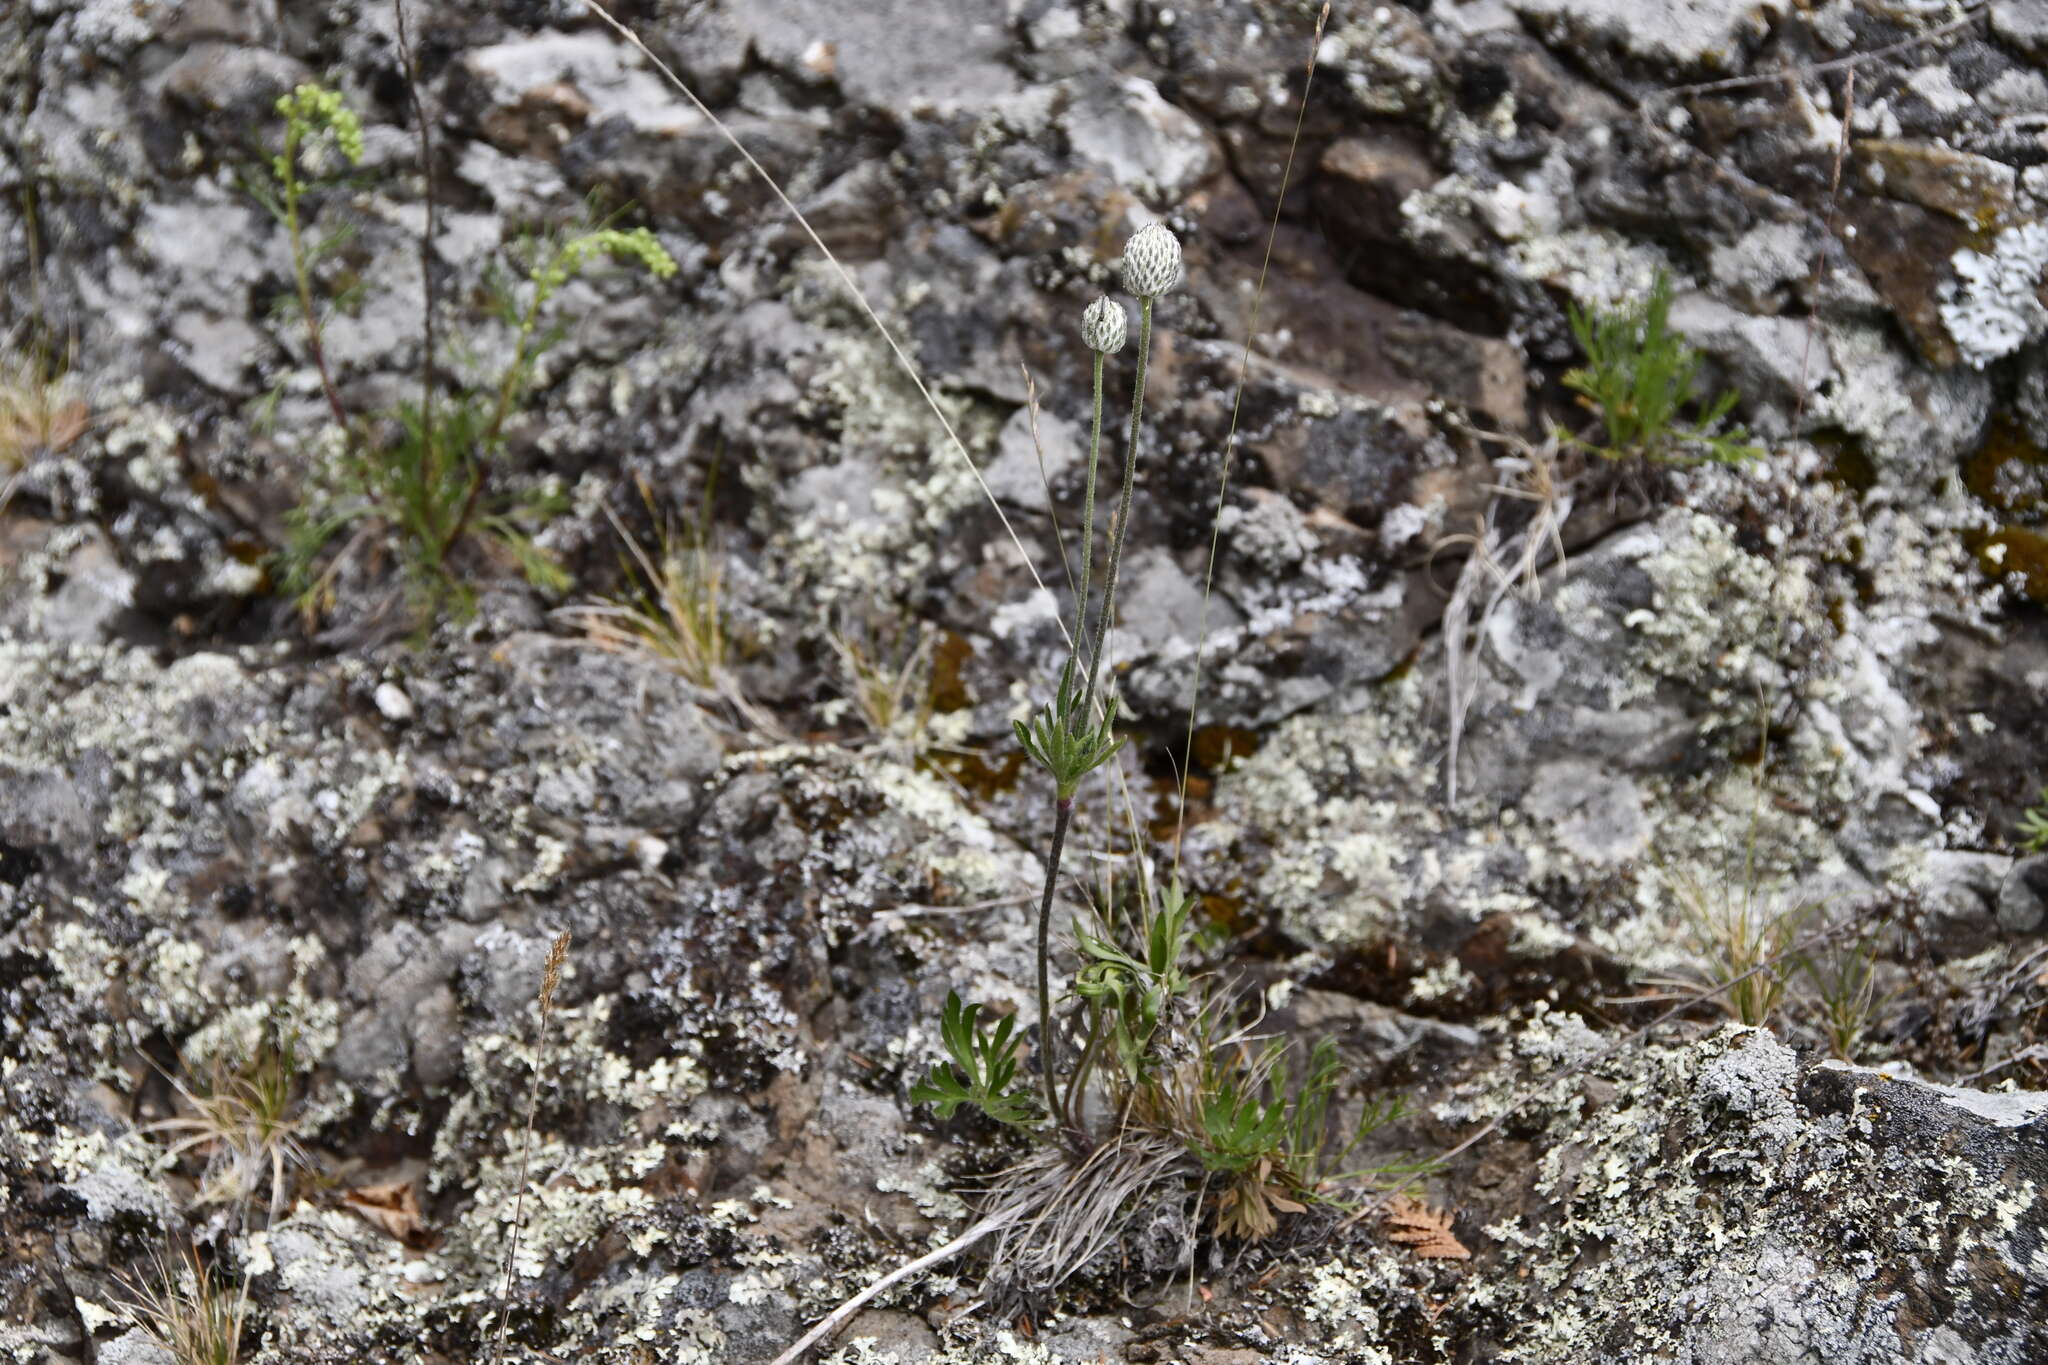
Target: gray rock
<point>134,1347</point>
<point>1963,900</point>
<point>1145,144</point>
<point>1024,466</point>
<point>2023,896</point>
<point>222,78</point>
<point>1696,34</point>
<point>2023,23</point>
<point>886,54</point>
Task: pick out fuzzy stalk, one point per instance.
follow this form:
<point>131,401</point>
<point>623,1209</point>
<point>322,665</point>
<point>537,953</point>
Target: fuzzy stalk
<point>1121,524</point>
<point>1048,1033</point>
<point>1088,513</point>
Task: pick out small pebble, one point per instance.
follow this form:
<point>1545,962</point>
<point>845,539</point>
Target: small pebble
<point>392,701</point>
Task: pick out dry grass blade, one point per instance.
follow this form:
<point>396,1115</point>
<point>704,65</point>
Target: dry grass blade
<point>243,1120</point>
<point>675,616</point>
<point>1497,563</point>
<point>1065,1214</point>
<point>677,613</point>
<point>41,413</point>
<point>1742,949</point>
<point>191,1314</point>
<point>893,697</point>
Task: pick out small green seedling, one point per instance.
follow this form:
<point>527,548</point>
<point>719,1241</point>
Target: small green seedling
<point>983,1072</point>
<point>1131,997</point>
<point>2033,829</point>
<point>1638,379</point>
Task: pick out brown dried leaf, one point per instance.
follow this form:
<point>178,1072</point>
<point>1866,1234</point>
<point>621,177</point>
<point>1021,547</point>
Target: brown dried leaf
<point>395,1208</point>
<point>1424,1230</point>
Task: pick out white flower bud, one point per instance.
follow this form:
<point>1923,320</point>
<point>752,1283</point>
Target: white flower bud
<point>1151,261</point>
<point>1103,326</point>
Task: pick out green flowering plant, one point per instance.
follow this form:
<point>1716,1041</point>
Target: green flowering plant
<point>425,483</point>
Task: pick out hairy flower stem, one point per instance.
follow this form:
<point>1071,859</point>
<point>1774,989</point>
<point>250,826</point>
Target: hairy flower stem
<point>1088,514</point>
<point>1121,525</point>
<point>1048,1034</point>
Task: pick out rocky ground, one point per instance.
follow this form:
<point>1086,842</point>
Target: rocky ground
<point>1813,684</point>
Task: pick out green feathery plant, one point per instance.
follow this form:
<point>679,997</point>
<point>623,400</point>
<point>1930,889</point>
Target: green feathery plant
<point>425,487</point>
<point>1638,379</point>
<point>1275,1142</point>
<point>984,1069</point>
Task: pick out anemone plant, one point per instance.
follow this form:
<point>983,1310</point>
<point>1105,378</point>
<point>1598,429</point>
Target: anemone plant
<point>1075,733</point>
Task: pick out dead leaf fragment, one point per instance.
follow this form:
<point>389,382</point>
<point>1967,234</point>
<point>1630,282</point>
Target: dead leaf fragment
<point>1424,1230</point>
<point>395,1208</point>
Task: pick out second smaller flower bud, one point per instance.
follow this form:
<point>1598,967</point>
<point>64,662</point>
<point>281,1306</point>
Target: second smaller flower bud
<point>1103,326</point>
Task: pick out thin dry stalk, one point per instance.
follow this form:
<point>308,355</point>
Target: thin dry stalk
<point>427,305</point>
<point>551,977</point>
<point>1498,563</point>
<point>829,1326</point>
<point>1972,12</point>
<point>1244,368</point>
<point>846,280</point>
<point>198,1322</point>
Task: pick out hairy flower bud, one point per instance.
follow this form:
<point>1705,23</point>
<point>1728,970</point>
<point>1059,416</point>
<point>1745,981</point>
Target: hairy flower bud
<point>1151,261</point>
<point>1103,326</point>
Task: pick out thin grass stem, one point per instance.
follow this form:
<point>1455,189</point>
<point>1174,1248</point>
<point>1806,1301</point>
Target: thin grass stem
<point>846,280</point>
<point>1244,368</point>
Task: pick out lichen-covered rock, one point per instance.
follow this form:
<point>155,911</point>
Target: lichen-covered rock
<point>1802,691</point>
